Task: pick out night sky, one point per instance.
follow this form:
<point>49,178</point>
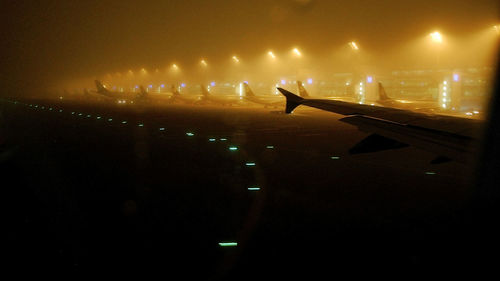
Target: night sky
<point>46,41</point>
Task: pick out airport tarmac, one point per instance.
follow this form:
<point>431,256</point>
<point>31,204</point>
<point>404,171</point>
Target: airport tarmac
<point>219,192</point>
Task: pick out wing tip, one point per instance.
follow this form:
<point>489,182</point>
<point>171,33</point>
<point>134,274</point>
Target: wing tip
<point>292,100</point>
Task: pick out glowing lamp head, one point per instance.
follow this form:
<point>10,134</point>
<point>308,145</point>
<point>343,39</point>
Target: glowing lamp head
<point>212,83</point>
<point>235,59</point>
<point>283,82</point>
<point>271,54</point>
<point>296,52</point>
<point>436,37</point>
<point>496,28</point>
<point>369,79</point>
<point>309,81</point>
<point>203,63</point>
<point>183,85</point>
<point>456,77</point>
<point>353,45</point>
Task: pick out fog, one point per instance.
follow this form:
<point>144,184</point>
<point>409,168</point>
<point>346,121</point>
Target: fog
<point>53,45</point>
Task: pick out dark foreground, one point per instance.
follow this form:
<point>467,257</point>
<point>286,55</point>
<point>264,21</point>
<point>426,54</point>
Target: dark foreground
<point>84,193</point>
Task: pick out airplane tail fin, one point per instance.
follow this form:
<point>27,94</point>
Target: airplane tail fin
<point>382,95</point>
<point>175,91</point>
<point>292,100</point>
<point>248,91</point>
<point>302,91</point>
<point>99,86</point>
<point>143,92</point>
<point>204,90</point>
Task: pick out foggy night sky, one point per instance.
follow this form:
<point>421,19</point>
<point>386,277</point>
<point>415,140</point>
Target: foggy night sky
<point>45,41</point>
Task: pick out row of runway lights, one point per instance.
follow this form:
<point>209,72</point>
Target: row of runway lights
<point>188,134</point>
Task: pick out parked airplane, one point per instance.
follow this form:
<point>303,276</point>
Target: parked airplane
<point>303,93</point>
<point>386,101</point>
<point>177,97</point>
<point>250,96</point>
<point>146,96</point>
<point>206,97</point>
<point>450,138</point>
<point>120,97</point>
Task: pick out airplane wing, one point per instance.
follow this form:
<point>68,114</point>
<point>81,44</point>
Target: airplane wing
<point>451,138</point>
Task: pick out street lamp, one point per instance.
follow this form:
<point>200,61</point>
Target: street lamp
<point>271,54</point>
<point>235,59</point>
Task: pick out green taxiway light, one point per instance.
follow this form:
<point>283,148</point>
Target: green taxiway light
<point>43,107</point>
<point>89,115</point>
<point>270,146</point>
<point>223,139</point>
<point>110,119</point>
<point>79,114</point>
<point>36,105</point>
<point>162,129</point>
<point>141,125</point>
<point>430,173</point>
<point>60,110</point>
<point>228,244</point>
<point>254,188</point>
<point>250,164</point>
<point>124,122</point>
<point>189,134</point>
<point>50,108</point>
<point>31,105</point>
<point>98,117</point>
<point>335,157</point>
<point>233,148</point>
<point>73,112</point>
<point>212,140</point>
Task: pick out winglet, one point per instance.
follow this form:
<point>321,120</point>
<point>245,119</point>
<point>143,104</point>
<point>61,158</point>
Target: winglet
<point>292,100</point>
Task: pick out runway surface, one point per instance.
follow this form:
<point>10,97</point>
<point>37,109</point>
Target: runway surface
<point>218,192</point>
